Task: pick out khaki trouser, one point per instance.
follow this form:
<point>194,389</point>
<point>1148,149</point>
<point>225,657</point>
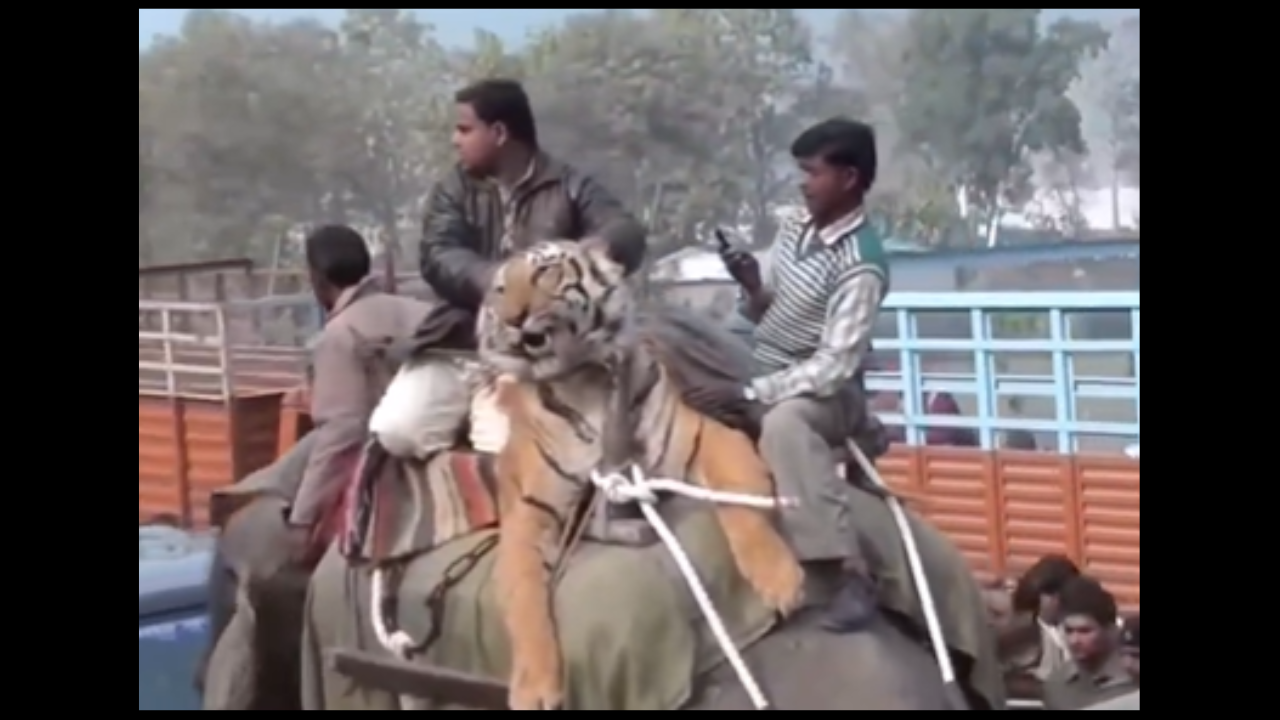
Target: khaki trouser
<point>425,406</point>
<point>797,439</point>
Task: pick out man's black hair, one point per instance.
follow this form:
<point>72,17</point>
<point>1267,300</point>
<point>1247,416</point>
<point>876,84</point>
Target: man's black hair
<point>338,254</point>
<point>843,143</point>
<point>1085,596</point>
<point>1046,577</point>
<point>502,101</point>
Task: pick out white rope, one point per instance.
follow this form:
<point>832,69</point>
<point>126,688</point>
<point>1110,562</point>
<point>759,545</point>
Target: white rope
<point>918,576</point>
<point>398,642</point>
<point>618,488</point>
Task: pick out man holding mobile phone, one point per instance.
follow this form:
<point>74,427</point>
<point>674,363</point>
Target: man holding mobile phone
<point>814,311</point>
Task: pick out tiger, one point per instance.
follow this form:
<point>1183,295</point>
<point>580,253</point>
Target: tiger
<point>556,323</point>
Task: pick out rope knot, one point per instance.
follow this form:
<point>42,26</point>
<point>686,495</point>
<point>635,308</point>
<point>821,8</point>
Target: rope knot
<point>619,489</point>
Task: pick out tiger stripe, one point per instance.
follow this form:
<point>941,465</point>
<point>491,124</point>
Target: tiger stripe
<point>557,404</point>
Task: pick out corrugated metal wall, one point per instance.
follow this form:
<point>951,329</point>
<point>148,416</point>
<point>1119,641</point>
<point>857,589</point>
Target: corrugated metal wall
<point>186,450</point>
<point>1006,509</point>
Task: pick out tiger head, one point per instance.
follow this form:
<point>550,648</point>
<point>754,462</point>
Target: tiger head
<point>554,308</point>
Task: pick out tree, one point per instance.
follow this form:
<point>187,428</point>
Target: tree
<point>909,200</point>
<point>1109,92</point>
<point>617,98</point>
<point>393,91</point>
<point>762,86</point>
<point>871,50</point>
<point>246,128</point>
<point>254,127</point>
<point>234,125</point>
<point>985,88</point>
<point>1059,206</point>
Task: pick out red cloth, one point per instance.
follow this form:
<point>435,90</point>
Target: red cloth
<point>334,520</point>
<point>942,403</point>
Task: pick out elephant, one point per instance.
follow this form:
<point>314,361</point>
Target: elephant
<point>888,666</point>
<point>891,665</point>
<point>255,594</point>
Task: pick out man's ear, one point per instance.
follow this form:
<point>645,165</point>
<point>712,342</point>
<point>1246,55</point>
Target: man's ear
<point>852,179</point>
<point>598,252</point>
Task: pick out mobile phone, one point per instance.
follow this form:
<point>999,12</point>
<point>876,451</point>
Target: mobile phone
<point>723,240</point>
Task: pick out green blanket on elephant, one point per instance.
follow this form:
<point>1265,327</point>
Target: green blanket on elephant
<point>611,596</point>
<point>961,609</point>
<point>631,634</point>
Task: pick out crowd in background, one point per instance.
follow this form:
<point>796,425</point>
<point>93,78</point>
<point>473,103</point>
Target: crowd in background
<point>1062,638</point>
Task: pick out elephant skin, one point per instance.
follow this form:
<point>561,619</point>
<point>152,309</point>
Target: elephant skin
<point>884,668</point>
<point>256,603</point>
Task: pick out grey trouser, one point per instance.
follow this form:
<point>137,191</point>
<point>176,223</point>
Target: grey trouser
<point>797,442</point>
<point>799,439</point>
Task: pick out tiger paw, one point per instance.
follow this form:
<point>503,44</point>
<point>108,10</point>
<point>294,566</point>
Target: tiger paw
<point>536,687</point>
<point>775,574</point>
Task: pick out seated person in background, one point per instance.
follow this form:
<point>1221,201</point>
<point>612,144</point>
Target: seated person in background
<point>939,403</point>
<point>347,384</point>
<point>1018,440</point>
<point>1031,645</point>
<point>1096,671</point>
<point>944,403</point>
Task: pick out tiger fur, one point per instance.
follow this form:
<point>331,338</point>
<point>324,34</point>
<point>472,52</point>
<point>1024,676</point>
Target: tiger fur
<point>556,321</point>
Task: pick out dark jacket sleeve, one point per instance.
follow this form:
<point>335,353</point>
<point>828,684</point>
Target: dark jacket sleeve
<point>450,262</point>
<point>605,218</point>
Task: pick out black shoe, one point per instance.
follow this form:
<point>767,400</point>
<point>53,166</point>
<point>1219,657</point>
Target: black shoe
<point>853,608</point>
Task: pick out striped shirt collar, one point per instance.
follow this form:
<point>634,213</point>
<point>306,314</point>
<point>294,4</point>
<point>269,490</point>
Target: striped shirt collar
<point>832,233</point>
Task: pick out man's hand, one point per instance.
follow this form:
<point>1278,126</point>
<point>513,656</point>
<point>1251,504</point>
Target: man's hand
<point>741,264</point>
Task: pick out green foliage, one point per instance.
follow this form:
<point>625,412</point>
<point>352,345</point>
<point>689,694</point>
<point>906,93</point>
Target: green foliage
<point>985,88</point>
<point>687,115</point>
<point>1110,94</point>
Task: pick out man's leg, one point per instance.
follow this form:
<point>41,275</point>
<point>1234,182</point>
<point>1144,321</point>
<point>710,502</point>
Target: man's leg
<point>423,409</point>
<point>797,441</point>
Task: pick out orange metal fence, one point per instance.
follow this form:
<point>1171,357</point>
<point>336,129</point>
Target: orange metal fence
<point>1007,508</point>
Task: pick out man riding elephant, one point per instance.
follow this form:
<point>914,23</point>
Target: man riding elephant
<point>814,314</point>
<point>289,511</point>
<point>505,194</point>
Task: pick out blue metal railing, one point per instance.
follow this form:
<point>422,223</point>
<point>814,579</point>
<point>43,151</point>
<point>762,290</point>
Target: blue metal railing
<point>1061,366</point>
<point>1072,356</point>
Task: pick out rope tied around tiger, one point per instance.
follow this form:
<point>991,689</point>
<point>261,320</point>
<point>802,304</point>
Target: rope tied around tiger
<point>618,488</point>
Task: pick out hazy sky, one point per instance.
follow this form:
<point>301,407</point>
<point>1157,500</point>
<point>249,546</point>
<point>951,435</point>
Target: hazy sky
<point>456,26</point>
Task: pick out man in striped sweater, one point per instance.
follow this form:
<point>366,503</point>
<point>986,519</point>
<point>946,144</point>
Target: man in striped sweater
<point>814,311</point>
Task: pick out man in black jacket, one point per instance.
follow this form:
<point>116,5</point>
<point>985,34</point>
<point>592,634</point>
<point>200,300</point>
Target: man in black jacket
<point>504,195</point>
